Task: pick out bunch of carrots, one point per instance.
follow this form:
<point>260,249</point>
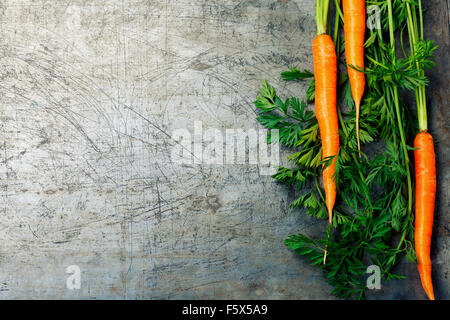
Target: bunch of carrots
<point>325,74</point>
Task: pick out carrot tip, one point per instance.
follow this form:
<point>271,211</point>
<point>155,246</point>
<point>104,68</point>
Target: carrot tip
<point>430,294</point>
<point>330,215</point>
<point>357,128</point>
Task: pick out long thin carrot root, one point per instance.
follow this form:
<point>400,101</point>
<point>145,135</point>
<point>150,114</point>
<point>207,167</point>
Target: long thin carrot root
<point>357,129</point>
<point>325,253</point>
<point>425,168</point>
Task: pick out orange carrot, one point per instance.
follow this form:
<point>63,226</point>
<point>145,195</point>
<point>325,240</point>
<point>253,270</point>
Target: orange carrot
<point>354,28</point>
<point>424,161</point>
<point>325,74</point>
<point>425,167</point>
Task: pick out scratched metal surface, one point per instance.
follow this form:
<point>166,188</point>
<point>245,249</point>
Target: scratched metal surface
<point>90,93</point>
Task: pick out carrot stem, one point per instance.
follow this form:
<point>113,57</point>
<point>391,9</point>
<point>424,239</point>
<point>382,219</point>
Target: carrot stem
<point>322,15</point>
<point>338,10</point>
<point>421,19</point>
<point>336,27</point>
<point>413,40</point>
<point>397,110</point>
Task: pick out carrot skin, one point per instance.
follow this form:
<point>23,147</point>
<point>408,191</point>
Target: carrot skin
<point>354,29</point>
<point>325,74</point>
<point>425,169</point>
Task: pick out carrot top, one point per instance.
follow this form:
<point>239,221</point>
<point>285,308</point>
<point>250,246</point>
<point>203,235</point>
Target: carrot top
<point>322,15</point>
<point>416,42</point>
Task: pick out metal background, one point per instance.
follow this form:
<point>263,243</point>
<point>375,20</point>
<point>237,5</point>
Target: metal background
<point>90,94</point>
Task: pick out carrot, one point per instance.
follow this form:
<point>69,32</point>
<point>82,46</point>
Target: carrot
<point>354,28</point>
<point>424,161</point>
<point>425,167</point>
<point>325,74</point>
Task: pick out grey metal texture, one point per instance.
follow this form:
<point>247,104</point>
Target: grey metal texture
<point>90,95</point>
